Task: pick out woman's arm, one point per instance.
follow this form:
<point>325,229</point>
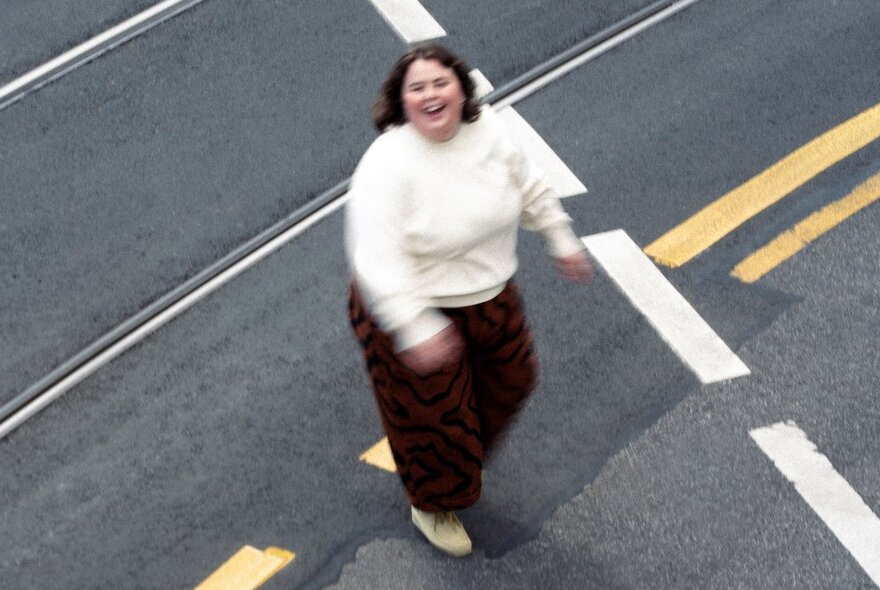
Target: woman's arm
<point>542,212</point>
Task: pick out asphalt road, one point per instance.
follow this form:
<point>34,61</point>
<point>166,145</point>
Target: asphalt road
<point>241,422</point>
<point>32,33</point>
<point>129,176</point>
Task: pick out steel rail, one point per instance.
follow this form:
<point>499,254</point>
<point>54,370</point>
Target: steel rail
<point>101,351</point>
<point>89,50</point>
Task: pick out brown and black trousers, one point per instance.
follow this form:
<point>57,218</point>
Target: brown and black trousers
<point>441,426</point>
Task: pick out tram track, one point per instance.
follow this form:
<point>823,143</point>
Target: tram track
<point>93,48</point>
<point>91,358</point>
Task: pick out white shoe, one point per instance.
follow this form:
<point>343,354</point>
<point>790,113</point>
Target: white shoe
<point>443,530</point>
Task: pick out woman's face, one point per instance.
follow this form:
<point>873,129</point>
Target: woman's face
<point>432,99</point>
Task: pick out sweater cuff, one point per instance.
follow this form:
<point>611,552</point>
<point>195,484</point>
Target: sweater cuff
<point>426,324</point>
<point>562,241</point>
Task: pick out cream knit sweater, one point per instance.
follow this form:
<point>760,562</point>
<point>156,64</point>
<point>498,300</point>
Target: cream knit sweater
<point>431,225</point>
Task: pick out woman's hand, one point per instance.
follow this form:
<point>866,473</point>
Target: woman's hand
<point>434,353</point>
<point>577,267</point>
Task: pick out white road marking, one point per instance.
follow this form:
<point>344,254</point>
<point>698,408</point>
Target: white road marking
<point>559,176</point>
<point>483,86</point>
<point>72,59</point>
<point>825,490</point>
<point>409,19</point>
<point>692,339</point>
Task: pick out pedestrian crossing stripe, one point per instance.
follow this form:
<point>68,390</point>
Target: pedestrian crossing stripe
<point>825,490</point>
<point>668,312</point>
<point>558,175</point>
<point>409,19</point>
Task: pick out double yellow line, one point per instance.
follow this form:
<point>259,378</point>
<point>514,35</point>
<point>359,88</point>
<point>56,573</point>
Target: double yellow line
<point>721,217</point>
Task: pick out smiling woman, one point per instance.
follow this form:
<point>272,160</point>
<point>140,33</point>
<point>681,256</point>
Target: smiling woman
<point>431,234</point>
<point>433,99</point>
<point>409,79</point>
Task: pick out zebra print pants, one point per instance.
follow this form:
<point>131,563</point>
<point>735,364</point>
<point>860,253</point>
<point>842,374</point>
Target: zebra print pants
<point>441,426</point>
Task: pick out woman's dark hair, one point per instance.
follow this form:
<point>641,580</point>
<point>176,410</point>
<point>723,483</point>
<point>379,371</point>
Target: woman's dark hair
<point>388,109</point>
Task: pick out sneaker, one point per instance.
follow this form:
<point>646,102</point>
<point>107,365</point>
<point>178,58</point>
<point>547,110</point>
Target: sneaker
<point>443,530</point>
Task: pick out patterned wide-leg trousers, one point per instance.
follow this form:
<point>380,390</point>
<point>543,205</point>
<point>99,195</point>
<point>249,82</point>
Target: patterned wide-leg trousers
<point>441,426</point>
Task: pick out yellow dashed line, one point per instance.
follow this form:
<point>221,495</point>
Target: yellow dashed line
<point>379,455</point>
<point>715,221</point>
<point>249,568</point>
<point>790,242</point>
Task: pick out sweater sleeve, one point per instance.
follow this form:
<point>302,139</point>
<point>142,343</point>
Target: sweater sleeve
<point>541,210</point>
<point>376,240</point>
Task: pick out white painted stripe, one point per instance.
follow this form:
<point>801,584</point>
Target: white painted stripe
<point>409,19</point>
<point>696,344</point>
<point>593,53</point>
<point>825,490</point>
<point>163,318</point>
<point>483,86</point>
<point>92,48</point>
<point>559,176</point>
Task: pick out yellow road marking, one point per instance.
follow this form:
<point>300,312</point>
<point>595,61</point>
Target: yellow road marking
<point>718,219</point>
<point>787,244</point>
<point>379,455</point>
<point>249,568</point>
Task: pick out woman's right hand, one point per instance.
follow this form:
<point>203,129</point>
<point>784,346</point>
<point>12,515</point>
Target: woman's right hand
<point>434,353</point>
<point>577,267</point>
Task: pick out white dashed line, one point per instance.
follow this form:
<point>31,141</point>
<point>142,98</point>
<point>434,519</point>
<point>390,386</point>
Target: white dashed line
<point>692,339</point>
<point>825,490</point>
<point>409,19</point>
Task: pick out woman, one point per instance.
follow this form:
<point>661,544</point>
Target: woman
<point>431,234</point>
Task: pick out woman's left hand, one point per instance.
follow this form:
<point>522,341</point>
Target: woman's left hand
<point>577,267</point>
